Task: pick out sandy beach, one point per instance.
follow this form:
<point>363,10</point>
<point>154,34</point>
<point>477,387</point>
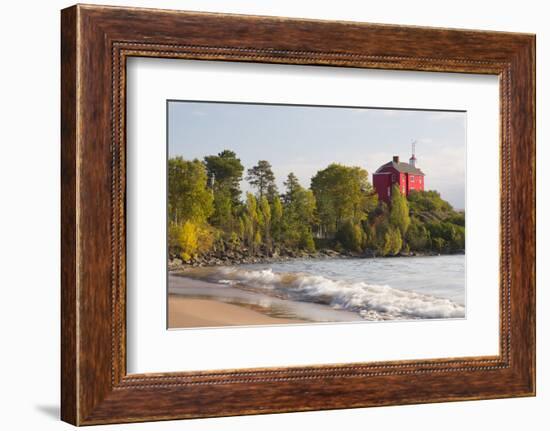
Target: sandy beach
<point>191,312</point>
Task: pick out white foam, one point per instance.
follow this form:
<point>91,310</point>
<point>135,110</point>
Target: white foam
<point>371,301</point>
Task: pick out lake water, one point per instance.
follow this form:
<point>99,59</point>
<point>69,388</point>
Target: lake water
<point>366,289</point>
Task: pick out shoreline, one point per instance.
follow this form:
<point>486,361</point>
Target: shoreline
<point>189,312</point>
<point>205,303</point>
<point>331,290</point>
<point>176,264</point>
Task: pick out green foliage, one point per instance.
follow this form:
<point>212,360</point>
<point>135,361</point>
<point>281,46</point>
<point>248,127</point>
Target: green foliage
<point>247,230</point>
<point>457,218</point>
<point>298,217</point>
<point>224,175</point>
<point>351,236</point>
<point>223,211</point>
<point>428,201</point>
<point>190,204</point>
<point>417,237</point>
<point>342,194</point>
<point>438,244</point>
<point>206,213</point>
<point>436,225</point>
<point>225,172</point>
<point>188,195</point>
<point>265,211</point>
<point>276,219</point>
<point>253,222</point>
<point>446,236</point>
<point>262,178</point>
<point>306,241</point>
<point>399,211</point>
<point>173,237</point>
<point>392,242</point>
<point>292,186</point>
<point>234,241</point>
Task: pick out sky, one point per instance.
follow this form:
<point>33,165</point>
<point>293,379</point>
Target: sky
<point>305,139</point>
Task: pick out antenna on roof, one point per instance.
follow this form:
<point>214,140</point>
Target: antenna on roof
<point>412,160</point>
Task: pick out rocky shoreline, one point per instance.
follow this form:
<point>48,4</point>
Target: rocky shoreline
<point>243,257</point>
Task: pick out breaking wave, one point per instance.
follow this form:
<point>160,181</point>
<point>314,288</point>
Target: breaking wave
<point>371,301</point>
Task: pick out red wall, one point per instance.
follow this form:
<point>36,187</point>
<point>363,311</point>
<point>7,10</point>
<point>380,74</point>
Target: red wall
<point>415,182</point>
<point>381,181</point>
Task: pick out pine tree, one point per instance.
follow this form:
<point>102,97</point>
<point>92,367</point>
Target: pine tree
<point>262,178</point>
<point>292,186</point>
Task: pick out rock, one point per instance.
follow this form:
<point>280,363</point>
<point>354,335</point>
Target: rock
<point>369,253</point>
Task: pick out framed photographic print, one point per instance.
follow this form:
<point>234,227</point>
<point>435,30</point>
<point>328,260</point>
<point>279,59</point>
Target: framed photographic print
<point>285,253</point>
<point>267,215</point>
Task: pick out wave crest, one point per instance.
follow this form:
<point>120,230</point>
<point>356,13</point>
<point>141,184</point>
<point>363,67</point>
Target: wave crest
<point>371,301</point>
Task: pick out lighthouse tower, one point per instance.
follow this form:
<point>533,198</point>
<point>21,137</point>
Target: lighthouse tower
<point>412,160</point>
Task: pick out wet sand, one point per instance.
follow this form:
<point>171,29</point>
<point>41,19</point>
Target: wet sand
<point>192,313</point>
<point>199,303</point>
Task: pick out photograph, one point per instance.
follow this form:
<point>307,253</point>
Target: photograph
<point>295,215</point>
<point>299,214</point>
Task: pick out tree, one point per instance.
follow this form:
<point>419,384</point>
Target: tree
<point>342,194</point>
<point>262,178</point>
<point>194,239</point>
<point>265,211</point>
<point>276,219</point>
<point>292,186</point>
<point>392,242</point>
<point>458,241</point>
<point>247,230</point>
<point>351,236</point>
<point>188,196</point>
<point>224,175</point>
<point>447,235</point>
<point>458,218</point>
<point>429,200</point>
<point>188,240</point>
<point>253,218</point>
<point>225,172</point>
<point>438,244</point>
<point>222,216</point>
<point>206,213</point>
<point>417,236</point>
<point>399,211</point>
<point>298,217</point>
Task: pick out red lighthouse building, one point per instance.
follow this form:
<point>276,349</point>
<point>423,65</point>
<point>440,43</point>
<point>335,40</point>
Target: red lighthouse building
<point>405,175</point>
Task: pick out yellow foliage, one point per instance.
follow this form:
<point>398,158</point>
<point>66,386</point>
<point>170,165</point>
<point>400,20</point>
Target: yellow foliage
<point>188,240</point>
<point>194,239</point>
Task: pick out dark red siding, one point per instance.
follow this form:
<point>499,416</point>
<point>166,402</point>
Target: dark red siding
<point>384,179</point>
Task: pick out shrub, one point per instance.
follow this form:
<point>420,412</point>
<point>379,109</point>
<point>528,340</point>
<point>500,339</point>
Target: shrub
<point>351,236</point>
<point>417,237</point>
<point>194,239</point>
<point>392,242</point>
